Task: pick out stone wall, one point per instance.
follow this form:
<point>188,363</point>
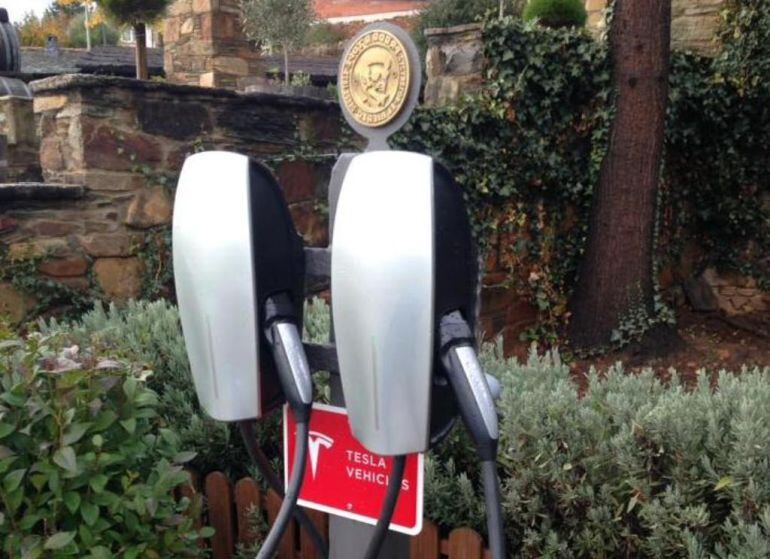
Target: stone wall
<point>204,44</point>
<point>694,23</point>
<point>17,124</point>
<point>454,60</point>
<point>125,141</point>
<point>454,63</point>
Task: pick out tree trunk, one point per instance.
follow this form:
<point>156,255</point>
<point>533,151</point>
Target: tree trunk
<point>615,276</point>
<point>140,35</point>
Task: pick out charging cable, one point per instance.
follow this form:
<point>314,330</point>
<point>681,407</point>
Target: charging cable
<point>274,482</point>
<point>477,408</point>
<point>388,508</point>
<point>294,375</point>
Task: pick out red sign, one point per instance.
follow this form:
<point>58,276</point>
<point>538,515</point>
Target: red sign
<point>345,479</point>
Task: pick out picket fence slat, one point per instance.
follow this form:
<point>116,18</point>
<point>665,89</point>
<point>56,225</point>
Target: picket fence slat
<point>288,543</point>
<point>227,511</point>
<point>247,498</point>
<point>219,501</point>
<point>465,543</point>
<point>426,544</point>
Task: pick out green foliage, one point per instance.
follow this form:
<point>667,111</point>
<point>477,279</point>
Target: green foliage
<point>132,12</point>
<point>87,468</point>
<point>277,22</point>
<point>101,34</point>
<point>527,152</point>
<point>300,79</point>
<point>150,333</point>
<point>324,33</point>
<point>745,56</point>
<point>50,295</point>
<point>556,13</point>
<point>631,467</point>
<point>715,176</point>
<point>446,13</point>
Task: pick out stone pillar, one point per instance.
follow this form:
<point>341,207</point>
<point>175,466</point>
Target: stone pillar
<point>17,124</point>
<point>453,63</point>
<point>205,45</point>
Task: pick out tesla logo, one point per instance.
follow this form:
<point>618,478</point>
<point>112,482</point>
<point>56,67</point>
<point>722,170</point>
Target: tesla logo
<point>317,440</point>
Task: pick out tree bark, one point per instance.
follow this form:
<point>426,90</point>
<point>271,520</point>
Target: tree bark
<point>615,276</point>
<point>140,36</point>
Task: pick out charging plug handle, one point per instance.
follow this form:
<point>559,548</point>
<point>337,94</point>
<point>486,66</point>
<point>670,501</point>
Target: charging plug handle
<point>474,397</point>
<point>283,334</point>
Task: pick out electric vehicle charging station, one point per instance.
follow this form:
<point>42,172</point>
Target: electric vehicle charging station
<point>239,279</point>
<point>404,279</point>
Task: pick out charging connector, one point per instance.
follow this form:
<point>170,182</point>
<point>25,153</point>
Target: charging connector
<point>477,408</point>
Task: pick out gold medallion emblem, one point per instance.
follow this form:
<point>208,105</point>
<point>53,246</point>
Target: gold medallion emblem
<point>375,79</point>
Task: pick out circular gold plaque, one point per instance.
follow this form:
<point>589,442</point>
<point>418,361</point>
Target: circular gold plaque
<point>375,80</point>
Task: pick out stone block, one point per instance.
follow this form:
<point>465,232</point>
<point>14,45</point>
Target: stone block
<point>14,304</point>
<point>108,244</point>
<point>37,248</point>
<point>310,223</point>
<point>171,32</point>
<point>111,150</point>
<point>106,181</point>
<point>119,278</point>
<point>230,65</point>
<point>701,294</point>
<point>187,27</point>
<point>54,228</point>
<point>150,207</point>
<point>179,120</point>
<point>496,299</point>
<point>179,7</point>
<point>44,103</point>
<point>8,224</point>
<point>64,267</point>
<point>298,180</point>
<point>202,6</point>
<point>51,158</point>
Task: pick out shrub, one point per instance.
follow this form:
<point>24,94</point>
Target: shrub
<point>446,13</point>
<point>556,13</point>
<point>150,333</point>
<point>634,467</point>
<point>86,467</point>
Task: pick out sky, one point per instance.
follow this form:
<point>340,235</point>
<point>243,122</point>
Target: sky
<point>17,8</point>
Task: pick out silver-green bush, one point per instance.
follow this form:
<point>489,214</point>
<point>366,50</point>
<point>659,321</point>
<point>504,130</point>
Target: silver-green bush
<point>630,467</point>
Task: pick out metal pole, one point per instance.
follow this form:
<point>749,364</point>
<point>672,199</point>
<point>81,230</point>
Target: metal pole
<point>86,6</point>
<point>348,538</point>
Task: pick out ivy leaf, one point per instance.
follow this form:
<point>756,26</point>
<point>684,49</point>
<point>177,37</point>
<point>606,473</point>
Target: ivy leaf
<point>74,433</point>
<point>6,429</point>
<point>13,480</point>
<point>129,425</point>
<point>59,540</point>
<point>89,512</point>
<point>98,482</point>
<point>72,501</point>
<point>65,458</point>
<point>184,457</point>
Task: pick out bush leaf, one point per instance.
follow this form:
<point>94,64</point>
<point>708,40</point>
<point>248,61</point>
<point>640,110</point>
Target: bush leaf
<point>59,540</point>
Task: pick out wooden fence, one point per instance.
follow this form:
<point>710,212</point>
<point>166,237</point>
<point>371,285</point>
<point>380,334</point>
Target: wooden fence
<point>228,508</point>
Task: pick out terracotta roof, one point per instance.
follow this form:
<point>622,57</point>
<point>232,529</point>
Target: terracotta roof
<point>118,61</point>
<point>326,9</point>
